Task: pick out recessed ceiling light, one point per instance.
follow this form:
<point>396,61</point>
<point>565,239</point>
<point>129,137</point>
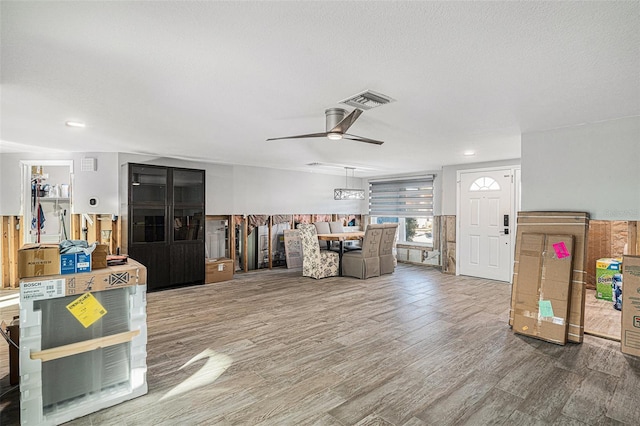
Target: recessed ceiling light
<point>74,124</point>
<point>469,153</point>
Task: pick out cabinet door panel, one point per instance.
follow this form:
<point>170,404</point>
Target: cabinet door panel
<point>156,258</point>
<point>188,224</point>
<point>187,263</point>
<point>148,184</point>
<point>148,224</point>
<point>188,186</point>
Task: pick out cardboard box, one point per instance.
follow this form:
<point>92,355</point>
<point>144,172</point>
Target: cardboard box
<point>75,263</point>
<point>36,260</point>
<point>99,256</point>
<point>565,223</point>
<point>630,333</point>
<point>606,268</point>
<point>53,286</point>
<point>544,284</point>
<point>218,270</point>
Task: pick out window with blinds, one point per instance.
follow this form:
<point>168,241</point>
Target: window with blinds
<point>408,197</point>
<point>407,202</point>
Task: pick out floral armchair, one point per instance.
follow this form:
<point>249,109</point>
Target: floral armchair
<point>316,263</point>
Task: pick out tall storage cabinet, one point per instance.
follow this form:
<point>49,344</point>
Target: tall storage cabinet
<point>165,224</point>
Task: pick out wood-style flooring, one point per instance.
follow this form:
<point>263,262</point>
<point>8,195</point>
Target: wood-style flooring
<point>414,348</point>
<point>600,318</point>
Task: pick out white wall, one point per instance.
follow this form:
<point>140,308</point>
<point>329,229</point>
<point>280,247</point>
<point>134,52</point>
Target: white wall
<point>257,190</point>
<point>450,185</point>
<point>102,183</point>
<point>230,189</point>
<point>593,168</point>
<point>271,191</point>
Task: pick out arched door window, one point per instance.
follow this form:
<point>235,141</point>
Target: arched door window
<point>484,183</point>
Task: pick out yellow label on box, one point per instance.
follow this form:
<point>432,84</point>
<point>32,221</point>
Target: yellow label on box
<point>86,309</point>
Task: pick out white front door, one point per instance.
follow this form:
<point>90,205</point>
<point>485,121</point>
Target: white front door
<point>485,224</point>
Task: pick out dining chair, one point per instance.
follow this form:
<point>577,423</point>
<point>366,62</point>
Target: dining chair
<point>316,263</point>
<point>364,263</point>
<point>322,227</point>
<point>327,228</point>
<point>338,228</point>
<point>387,257</point>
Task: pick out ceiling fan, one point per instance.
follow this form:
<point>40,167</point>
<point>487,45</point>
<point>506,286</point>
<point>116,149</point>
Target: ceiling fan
<point>337,123</point>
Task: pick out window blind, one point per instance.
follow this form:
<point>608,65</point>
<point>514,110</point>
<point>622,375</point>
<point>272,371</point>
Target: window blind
<point>406,197</point>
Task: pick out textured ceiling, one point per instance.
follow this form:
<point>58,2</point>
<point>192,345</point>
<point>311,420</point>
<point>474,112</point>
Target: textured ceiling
<point>212,80</point>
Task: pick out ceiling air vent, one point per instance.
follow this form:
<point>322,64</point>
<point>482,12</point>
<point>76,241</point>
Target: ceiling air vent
<point>367,100</point>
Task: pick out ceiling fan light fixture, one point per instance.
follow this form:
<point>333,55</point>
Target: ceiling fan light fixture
<point>334,136</point>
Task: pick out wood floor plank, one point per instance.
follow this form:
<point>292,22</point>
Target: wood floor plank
<point>518,418</point>
<point>459,401</point>
<point>547,400</point>
<point>624,405</point>
<point>373,420</point>
<point>495,408</point>
<point>590,400</point>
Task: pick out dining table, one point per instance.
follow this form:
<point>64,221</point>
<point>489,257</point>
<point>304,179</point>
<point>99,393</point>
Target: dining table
<point>341,237</point>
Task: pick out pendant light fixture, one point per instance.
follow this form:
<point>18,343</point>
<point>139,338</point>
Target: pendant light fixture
<point>346,193</point>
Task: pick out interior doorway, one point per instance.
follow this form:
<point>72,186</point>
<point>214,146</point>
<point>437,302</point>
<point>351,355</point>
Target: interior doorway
<point>46,200</point>
<point>487,202</point>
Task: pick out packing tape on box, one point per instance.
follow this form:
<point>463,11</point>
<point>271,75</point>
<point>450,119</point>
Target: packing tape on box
<point>535,315</point>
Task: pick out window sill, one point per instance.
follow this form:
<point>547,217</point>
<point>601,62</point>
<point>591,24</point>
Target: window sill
<point>421,246</point>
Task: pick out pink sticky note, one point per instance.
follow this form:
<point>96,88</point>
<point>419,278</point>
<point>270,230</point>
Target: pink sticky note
<point>561,250</point>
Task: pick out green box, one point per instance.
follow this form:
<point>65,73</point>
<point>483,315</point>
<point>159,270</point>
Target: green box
<point>605,270</point>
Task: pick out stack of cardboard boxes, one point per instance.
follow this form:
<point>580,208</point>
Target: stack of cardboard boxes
<point>548,292</point>
<point>45,259</point>
<point>548,263</point>
<point>630,335</point>
<point>544,280</point>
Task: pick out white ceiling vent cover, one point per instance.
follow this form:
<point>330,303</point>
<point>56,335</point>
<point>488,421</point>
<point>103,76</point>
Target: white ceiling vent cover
<point>367,100</point>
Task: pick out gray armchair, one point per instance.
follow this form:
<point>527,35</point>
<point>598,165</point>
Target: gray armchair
<point>364,263</point>
<point>387,258</point>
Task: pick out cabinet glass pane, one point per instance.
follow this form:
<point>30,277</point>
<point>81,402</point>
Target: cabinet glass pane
<point>147,225</point>
<point>188,187</point>
<point>188,224</point>
<point>148,185</point>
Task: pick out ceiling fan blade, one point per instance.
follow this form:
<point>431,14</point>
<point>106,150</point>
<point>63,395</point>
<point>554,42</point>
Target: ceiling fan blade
<point>310,135</point>
<point>361,139</point>
<point>346,122</point>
